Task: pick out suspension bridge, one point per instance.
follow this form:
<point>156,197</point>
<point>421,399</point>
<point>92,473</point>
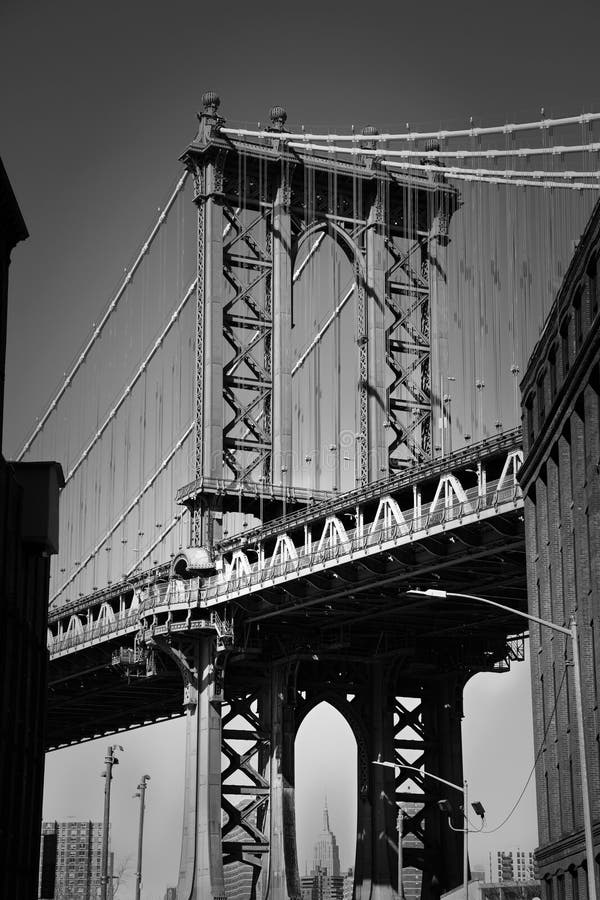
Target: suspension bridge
<point>302,401</point>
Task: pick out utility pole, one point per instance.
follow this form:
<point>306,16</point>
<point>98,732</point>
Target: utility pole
<point>110,760</point>
<point>142,795</point>
<point>400,851</point>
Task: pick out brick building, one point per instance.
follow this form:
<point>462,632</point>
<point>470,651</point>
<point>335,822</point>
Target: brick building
<point>28,535</point>
<point>561,484</point>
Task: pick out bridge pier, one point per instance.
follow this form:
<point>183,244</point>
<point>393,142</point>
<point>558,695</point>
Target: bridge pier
<point>201,862</point>
<point>283,879</point>
<point>376,809</point>
<point>441,718</point>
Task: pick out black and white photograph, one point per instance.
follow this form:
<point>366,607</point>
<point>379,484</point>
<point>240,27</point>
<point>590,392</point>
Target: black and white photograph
<point>300,474</point>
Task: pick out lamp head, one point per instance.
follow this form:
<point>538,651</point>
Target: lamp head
<point>478,807</point>
<point>445,806</point>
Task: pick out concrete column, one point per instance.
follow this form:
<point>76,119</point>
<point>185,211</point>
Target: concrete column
<point>375,287</point>
<point>283,880</point>
<point>281,405</point>
<point>201,865</point>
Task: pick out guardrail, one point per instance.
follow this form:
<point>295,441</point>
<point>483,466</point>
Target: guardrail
<point>216,588</point>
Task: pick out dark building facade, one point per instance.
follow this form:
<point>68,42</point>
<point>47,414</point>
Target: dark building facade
<point>28,536</point>
<point>561,483</point>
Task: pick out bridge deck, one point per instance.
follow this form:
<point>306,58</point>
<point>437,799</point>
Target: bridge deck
<point>318,589</point>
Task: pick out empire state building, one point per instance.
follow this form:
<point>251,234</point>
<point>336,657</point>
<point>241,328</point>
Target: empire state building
<point>326,853</point>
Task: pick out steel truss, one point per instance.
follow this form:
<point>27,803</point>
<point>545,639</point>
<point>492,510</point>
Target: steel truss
<point>247,328</point>
<point>408,356</point>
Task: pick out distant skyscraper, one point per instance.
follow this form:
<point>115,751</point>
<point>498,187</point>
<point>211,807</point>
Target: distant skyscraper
<point>512,865</point>
<point>326,857</point>
<point>78,858</point>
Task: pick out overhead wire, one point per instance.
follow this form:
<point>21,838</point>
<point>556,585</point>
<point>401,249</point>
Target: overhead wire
<point>535,762</point>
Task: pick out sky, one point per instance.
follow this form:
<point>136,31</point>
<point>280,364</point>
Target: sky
<point>98,101</point>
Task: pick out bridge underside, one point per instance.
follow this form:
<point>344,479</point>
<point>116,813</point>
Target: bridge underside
<point>392,663</point>
<point>359,612</point>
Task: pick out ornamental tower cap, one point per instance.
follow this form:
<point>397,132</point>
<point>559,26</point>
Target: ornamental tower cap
<point>432,144</point>
<point>210,102</point>
<point>369,132</point>
<point>278,116</point>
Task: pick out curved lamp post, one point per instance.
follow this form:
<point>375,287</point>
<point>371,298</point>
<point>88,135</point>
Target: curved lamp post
<point>142,795</point>
<point>571,632</point>
<point>444,806</point>
<point>110,760</point>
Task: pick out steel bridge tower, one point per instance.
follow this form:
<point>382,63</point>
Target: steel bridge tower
<point>246,694</point>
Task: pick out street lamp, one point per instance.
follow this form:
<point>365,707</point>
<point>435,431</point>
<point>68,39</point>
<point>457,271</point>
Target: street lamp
<point>110,760</point>
<point>444,806</point>
<point>571,632</point>
<point>142,795</point>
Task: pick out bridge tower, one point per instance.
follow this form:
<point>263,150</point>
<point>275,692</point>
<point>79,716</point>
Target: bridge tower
<point>261,204</point>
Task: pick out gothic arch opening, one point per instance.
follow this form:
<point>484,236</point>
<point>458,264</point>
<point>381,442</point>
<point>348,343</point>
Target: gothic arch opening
<point>326,789</point>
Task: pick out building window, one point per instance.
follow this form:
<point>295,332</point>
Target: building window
<point>541,399</point>
<point>552,371</point>
<point>529,423</point>
<point>578,313</point>
<point>575,884</point>
<point>592,274</point>
<point>564,345</point>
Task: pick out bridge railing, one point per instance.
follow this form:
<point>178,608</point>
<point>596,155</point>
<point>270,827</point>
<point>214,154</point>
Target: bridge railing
<point>442,513</point>
<point>178,594</point>
<point>94,631</point>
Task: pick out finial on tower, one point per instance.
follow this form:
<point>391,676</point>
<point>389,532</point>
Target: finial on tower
<point>369,131</point>
<point>278,116</point>
<point>210,103</point>
<point>209,119</point>
<point>432,145</point>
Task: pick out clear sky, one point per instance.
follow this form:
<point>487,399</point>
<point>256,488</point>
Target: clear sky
<point>98,101</point>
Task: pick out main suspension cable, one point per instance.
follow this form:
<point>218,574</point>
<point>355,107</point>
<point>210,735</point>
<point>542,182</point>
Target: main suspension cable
<point>441,135</point>
<point>442,154</point>
<point>142,368</point>
<point>108,312</point>
<point>124,515</point>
